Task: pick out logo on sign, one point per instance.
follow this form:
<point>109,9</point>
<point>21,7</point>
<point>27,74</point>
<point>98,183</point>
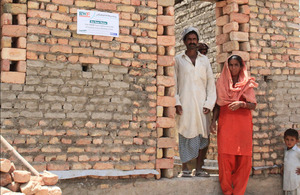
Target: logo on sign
<point>84,14</point>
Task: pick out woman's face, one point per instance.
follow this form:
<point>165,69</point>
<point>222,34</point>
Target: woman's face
<point>234,67</point>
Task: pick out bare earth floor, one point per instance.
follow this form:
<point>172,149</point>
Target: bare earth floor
<point>257,185</point>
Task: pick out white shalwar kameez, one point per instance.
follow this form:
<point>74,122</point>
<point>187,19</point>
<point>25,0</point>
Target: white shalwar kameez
<point>291,181</point>
<point>195,89</point>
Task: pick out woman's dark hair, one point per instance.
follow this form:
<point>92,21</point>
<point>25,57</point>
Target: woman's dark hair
<point>238,58</point>
<point>292,133</point>
<point>192,32</point>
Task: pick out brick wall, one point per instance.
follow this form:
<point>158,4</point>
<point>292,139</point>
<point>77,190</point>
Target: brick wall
<point>88,102</point>
<point>72,101</point>
<point>266,35</point>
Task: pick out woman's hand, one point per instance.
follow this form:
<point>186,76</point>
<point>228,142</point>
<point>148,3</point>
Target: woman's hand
<point>236,105</point>
<point>213,127</point>
<point>178,109</point>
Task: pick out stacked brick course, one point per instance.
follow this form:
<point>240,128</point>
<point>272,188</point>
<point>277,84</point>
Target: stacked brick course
<point>13,41</point>
<point>93,102</point>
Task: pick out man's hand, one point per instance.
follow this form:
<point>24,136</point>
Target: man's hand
<point>298,171</point>
<point>178,109</point>
<point>206,110</point>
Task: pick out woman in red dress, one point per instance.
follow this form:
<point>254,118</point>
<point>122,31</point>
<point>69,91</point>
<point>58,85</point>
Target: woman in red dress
<point>236,99</point>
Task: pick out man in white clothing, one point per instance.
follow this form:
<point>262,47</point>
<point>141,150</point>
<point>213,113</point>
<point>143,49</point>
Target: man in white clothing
<point>195,98</point>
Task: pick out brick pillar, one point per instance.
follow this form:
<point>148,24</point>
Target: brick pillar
<point>13,41</point>
<point>165,88</point>
<point>232,33</point>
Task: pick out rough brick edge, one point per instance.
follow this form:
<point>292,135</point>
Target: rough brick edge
<point>13,41</point>
<point>165,89</point>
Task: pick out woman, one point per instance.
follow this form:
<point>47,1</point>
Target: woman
<point>235,100</point>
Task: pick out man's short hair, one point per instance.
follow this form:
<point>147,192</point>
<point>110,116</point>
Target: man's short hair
<point>292,133</point>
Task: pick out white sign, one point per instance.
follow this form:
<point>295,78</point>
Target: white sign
<point>97,23</point>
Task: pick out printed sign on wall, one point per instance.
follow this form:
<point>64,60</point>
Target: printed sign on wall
<point>97,23</point>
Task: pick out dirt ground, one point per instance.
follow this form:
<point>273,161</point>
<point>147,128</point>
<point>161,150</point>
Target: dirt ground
<point>257,185</point>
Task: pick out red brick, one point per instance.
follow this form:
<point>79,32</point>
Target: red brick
<point>86,59</point>
<point>6,19</point>
<point>147,57</point>
<point>5,179</point>
<point>165,60</point>
<point>257,63</point>
<point>221,21</point>
<point>125,39</point>
<point>61,48</point>
<point>31,55</point>
<point>278,38</point>
<point>83,50</point>
<point>57,166</point>
<point>166,101</point>
<point>6,42</point>
<point>124,55</point>
<point>21,176</point>
<point>15,8</point>
<point>240,18</point>
<point>231,46</point>
<point>239,36</point>
<point>164,163</point>
<point>165,122</point>
<point>164,142</point>
<point>245,9</point>
<point>5,65</point>
<point>38,47</point>
<point>221,3</point>
<point>38,30</point>
<point>38,14</point>
<point>21,42</point>
<point>165,3</point>
<point>103,166</point>
<point>22,19</point>
<point>103,53</point>
<point>166,81</point>
<point>233,26</point>
<point>5,165</point>
<point>166,40</point>
<point>146,41</point>
<point>13,54</point>
<point>245,55</point>
<point>222,38</point>
<point>61,17</point>
<point>63,2</point>
<point>293,64</point>
<point>106,6</point>
<point>238,1</point>
<point>14,31</point>
<point>166,20</point>
<point>229,8</point>
<point>21,66</point>
<point>88,4</point>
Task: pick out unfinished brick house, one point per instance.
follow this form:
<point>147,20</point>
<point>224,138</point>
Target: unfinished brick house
<point>97,105</point>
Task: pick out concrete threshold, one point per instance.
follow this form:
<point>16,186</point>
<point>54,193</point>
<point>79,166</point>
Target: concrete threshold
<point>257,185</point>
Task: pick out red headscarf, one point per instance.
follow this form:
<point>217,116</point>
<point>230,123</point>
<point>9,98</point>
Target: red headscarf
<point>228,93</point>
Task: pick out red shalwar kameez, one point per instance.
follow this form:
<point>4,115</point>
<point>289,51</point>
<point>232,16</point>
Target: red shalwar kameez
<point>234,131</point>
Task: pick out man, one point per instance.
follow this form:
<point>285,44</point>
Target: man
<point>195,98</point>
